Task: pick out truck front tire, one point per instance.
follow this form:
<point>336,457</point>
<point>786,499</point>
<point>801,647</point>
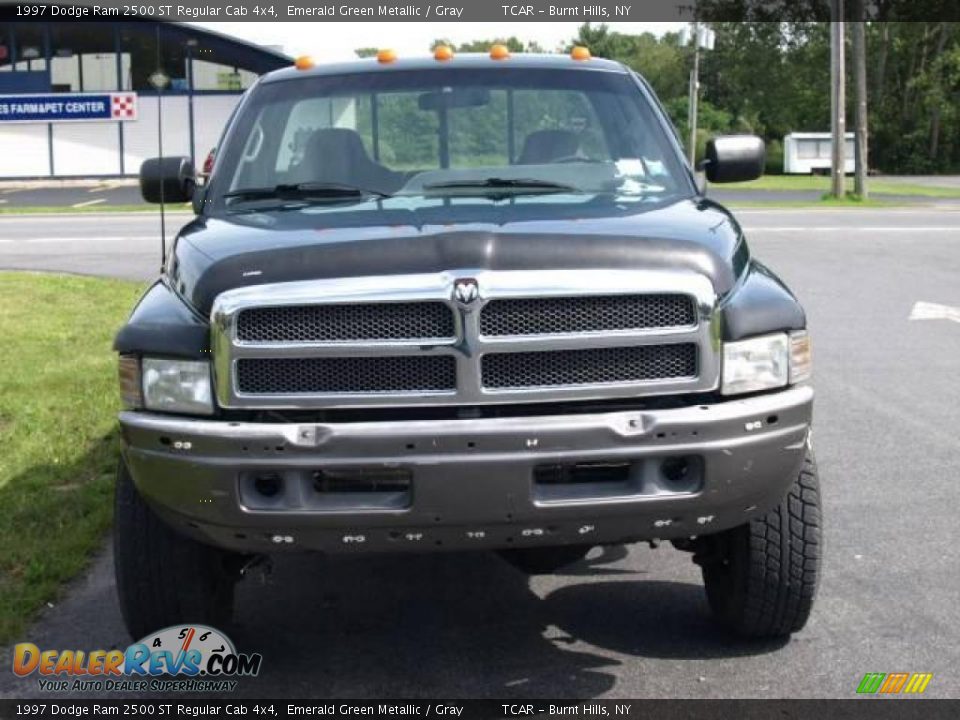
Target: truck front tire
<point>761,578</point>
<point>164,578</point>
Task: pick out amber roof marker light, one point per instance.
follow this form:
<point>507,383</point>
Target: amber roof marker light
<point>386,56</point>
<point>499,52</point>
<point>580,53</point>
<point>442,53</point>
<point>304,62</point>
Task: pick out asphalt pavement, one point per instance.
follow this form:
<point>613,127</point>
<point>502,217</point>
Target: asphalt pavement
<point>634,622</point>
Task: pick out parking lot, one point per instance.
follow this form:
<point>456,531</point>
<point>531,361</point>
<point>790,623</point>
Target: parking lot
<point>634,622</point>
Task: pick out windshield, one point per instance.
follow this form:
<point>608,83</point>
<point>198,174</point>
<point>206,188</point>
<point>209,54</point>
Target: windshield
<point>486,132</point>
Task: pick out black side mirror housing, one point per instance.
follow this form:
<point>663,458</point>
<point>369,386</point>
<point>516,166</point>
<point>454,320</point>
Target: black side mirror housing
<point>734,158</point>
<point>167,179</point>
<point>199,197</point>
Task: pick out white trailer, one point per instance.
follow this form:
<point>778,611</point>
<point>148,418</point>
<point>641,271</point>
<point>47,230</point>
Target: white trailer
<point>806,153</point>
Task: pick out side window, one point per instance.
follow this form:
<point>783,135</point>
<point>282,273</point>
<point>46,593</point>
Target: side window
<point>566,111</point>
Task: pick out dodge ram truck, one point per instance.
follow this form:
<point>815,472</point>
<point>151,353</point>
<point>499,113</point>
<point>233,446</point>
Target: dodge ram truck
<point>462,302</point>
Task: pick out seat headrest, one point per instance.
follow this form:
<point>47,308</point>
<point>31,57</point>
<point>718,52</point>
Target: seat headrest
<point>545,146</point>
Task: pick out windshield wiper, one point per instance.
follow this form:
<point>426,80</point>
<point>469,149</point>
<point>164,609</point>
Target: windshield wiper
<point>496,183</point>
<point>304,191</point>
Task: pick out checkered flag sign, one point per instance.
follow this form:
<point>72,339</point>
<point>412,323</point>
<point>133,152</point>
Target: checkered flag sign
<point>123,106</point>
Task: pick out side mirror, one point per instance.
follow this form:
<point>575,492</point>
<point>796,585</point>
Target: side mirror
<point>171,179</point>
<point>734,158</point>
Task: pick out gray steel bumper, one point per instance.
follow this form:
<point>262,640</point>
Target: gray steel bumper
<point>471,481</point>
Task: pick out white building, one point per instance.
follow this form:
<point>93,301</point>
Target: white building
<point>76,99</point>
<point>805,153</point>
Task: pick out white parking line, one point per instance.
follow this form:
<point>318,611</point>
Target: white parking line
<point>119,238</point>
<point>89,202</point>
<point>851,228</point>
<point>934,311</point>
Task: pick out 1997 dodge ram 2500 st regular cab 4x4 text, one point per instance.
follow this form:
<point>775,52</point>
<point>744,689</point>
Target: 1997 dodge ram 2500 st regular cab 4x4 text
<point>452,303</point>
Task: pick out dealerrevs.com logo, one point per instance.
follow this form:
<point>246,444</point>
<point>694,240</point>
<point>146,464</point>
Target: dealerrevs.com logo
<point>183,658</point>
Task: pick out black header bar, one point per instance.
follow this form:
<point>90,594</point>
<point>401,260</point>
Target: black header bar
<point>597,11</point>
<point>424,709</point>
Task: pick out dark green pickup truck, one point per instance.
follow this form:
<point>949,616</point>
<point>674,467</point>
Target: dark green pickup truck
<point>471,302</point>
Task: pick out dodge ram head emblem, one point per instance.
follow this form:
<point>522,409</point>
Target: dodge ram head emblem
<point>466,291</point>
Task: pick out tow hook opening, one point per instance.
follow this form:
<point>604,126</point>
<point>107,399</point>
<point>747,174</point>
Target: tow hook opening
<point>357,489</point>
<point>558,482</point>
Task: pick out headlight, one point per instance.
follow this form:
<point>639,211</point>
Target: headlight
<point>759,363</point>
<point>177,386</point>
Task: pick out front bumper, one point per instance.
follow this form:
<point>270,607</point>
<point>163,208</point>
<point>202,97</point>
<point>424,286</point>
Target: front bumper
<point>471,482</point>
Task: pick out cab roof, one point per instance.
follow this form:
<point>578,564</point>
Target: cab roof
<point>460,61</point>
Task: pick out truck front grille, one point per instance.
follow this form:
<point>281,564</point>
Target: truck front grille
<point>596,366</point>
<point>605,313</point>
<point>403,374</point>
<point>346,322</point>
<point>530,337</point>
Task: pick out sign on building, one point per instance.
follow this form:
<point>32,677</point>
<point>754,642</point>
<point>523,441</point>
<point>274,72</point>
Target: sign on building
<point>69,107</point>
<point>229,81</point>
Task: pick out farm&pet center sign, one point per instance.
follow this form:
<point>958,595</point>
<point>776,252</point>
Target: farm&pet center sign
<point>68,107</point>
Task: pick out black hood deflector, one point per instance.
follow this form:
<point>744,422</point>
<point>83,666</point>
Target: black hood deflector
<point>217,254</point>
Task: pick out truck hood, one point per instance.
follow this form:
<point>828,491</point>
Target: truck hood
<point>405,235</point>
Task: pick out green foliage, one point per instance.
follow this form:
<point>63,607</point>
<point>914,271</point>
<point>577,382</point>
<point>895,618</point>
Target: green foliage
<point>774,164</point>
<point>481,46</point>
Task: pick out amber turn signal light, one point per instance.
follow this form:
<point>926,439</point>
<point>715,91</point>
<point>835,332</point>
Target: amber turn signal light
<point>499,52</point>
<point>386,56</point>
<point>304,62</point>
<point>580,53</point>
<point>442,53</point>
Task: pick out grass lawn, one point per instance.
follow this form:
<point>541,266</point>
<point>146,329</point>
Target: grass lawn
<point>58,403</point>
<point>821,183</point>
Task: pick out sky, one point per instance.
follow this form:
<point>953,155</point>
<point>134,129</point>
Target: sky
<point>337,41</point>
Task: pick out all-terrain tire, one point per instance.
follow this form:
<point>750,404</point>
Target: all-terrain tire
<point>544,560</point>
<point>164,578</point>
<point>761,578</point>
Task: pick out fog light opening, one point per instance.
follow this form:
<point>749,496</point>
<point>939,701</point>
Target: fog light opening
<point>682,473</point>
<point>675,470</point>
<point>268,484</point>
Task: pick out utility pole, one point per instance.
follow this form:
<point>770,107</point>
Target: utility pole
<point>703,38</point>
<point>837,98</point>
<point>694,94</point>
<point>859,34</point>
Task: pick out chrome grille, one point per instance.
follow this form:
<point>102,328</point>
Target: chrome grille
<point>526,336</point>
<point>339,323</point>
<point>595,366</point>
<point>405,374</point>
<point>555,315</point>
